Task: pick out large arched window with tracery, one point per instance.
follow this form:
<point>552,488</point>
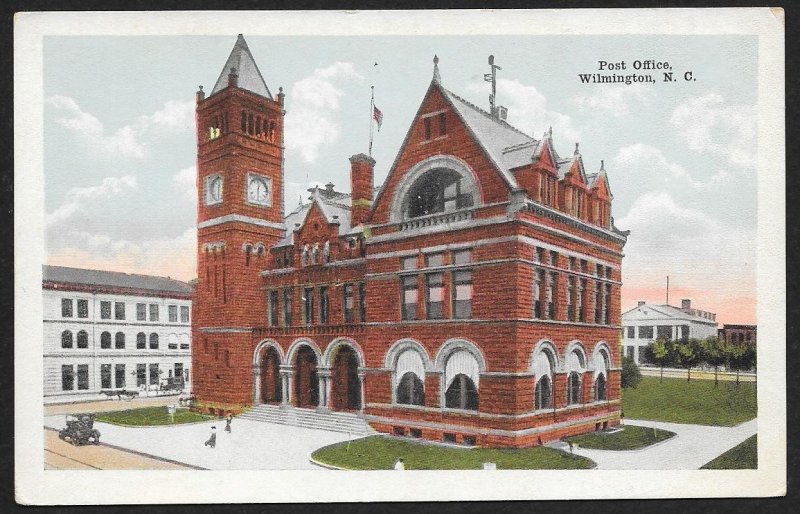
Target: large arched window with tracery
<point>543,393</point>
<point>600,388</point>
<point>543,364</point>
<point>410,378</point>
<point>601,363</point>
<point>461,375</point>
<point>438,190</point>
<point>575,363</point>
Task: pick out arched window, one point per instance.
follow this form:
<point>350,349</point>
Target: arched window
<point>326,252</point>
<point>119,341</point>
<point>437,190</point>
<point>461,380</point>
<point>154,341</point>
<point>304,255</point>
<point>600,388</point>
<point>315,253</point>
<point>105,340</point>
<point>574,388</point>
<point>83,339</point>
<point>462,393</point>
<point>411,390</point>
<point>543,393</point>
<point>141,341</point>
<point>66,339</point>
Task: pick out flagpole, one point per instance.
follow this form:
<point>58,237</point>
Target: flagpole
<point>371,117</point>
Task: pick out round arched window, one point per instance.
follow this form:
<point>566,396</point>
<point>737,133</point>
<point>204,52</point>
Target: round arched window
<point>438,190</point>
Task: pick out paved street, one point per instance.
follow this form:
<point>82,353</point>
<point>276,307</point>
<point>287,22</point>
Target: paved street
<point>251,445</point>
<point>690,448</point>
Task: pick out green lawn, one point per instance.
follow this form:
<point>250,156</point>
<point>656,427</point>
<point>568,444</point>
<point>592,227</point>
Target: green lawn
<point>697,402</point>
<point>150,416</point>
<point>629,438</point>
<point>744,456</point>
<point>378,452</point>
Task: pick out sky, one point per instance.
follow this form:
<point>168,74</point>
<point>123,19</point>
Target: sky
<point>120,149</point>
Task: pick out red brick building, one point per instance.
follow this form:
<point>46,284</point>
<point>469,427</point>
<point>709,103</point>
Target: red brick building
<point>474,298</point>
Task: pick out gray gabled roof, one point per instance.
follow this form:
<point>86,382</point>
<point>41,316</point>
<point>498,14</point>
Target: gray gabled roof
<point>668,311</point>
<point>99,278</point>
<point>495,136</point>
<point>330,207</point>
<point>249,76</point>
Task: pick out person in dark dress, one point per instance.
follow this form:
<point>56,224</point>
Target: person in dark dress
<point>212,441</point>
<point>228,423</point>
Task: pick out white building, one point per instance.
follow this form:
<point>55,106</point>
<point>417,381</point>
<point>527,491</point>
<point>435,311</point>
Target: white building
<point>106,330</point>
<point>646,323</point>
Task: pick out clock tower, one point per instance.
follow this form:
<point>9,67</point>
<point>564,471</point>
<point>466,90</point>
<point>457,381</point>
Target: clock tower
<point>239,217</point>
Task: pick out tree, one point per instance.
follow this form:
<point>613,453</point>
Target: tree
<point>660,352</point>
<point>631,376</point>
<point>741,358</point>
<point>713,353</point>
<point>689,355</point>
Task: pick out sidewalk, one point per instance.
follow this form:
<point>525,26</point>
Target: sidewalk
<point>690,448</point>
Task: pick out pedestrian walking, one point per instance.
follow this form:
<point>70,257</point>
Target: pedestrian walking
<point>228,423</point>
<point>212,440</point>
<point>571,447</point>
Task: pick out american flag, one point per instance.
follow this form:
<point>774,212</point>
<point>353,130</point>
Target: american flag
<point>377,115</point>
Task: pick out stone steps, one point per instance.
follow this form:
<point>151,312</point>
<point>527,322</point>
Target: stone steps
<point>344,422</point>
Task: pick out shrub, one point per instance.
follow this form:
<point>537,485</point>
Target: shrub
<point>631,376</point>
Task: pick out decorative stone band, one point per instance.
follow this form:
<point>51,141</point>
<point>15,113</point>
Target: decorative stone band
<point>229,218</point>
<point>489,431</point>
<point>487,415</point>
<point>225,330</point>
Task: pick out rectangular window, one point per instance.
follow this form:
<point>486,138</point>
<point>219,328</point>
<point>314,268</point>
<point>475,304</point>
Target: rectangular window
<point>324,306</point>
<point>607,305</point>
<point>462,257</point>
<point>408,263</point>
<point>664,332</point>
<point>141,312</point>
<point>83,308</point>
<point>308,306</point>
<point>141,341</point>
<point>646,332</point>
<point>119,341</point>
<point>570,298</point>
<point>538,278</point>
<point>105,376</point>
<point>172,311</point>
<point>272,318</point>
<point>119,310</point>
<point>119,376</point>
<point>153,312</point>
<point>141,375</point>
<point>539,254</point>
<point>287,307</point>
<point>598,303</point>
<point>631,332</point>
<point>581,300</point>
<point>83,377</point>
<point>599,270</point>
<point>67,377</point>
<point>434,296</point>
<point>184,314</point>
<point>409,298</point>
<point>584,266</point>
<point>348,303</point>
<point>572,263</point>
<point>685,333</point>
<point>434,259</point>
<point>427,122</point>
<point>442,124</point>
<point>362,302</point>
<point>550,295</point>
<point>105,310</point>
<point>462,294</point>
<point>66,307</point>
<point>608,272</point>
<point>179,370</point>
<point>154,374</point>
<point>553,258</point>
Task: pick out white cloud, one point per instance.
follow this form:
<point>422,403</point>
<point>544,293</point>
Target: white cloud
<point>527,110</point>
<point>646,160</point>
<point>186,180</point>
<point>127,141</point>
<point>689,245</point>
<point>309,120</point>
<point>77,197</point>
<point>611,99</point>
<point>174,257</point>
<point>708,124</point>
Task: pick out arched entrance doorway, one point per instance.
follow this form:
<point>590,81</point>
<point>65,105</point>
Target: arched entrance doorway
<point>271,391</point>
<point>306,383</point>
<point>346,388</point>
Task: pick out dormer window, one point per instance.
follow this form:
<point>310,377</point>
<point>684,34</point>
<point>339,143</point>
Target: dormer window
<point>438,190</point>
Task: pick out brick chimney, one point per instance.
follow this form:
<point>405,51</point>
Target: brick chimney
<point>361,172</point>
<point>686,304</point>
<point>640,303</point>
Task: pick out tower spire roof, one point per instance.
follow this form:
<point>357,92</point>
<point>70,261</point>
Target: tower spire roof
<point>436,77</point>
<point>241,62</point>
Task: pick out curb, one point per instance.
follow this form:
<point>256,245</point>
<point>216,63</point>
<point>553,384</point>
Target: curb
<point>315,462</point>
<point>142,454</point>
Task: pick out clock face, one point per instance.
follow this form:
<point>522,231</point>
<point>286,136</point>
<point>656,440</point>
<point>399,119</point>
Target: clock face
<point>258,190</point>
<point>215,190</point>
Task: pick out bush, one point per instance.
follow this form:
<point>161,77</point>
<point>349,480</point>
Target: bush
<point>631,376</point>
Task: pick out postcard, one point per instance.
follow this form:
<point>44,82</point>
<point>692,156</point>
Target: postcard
<point>390,255</point>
